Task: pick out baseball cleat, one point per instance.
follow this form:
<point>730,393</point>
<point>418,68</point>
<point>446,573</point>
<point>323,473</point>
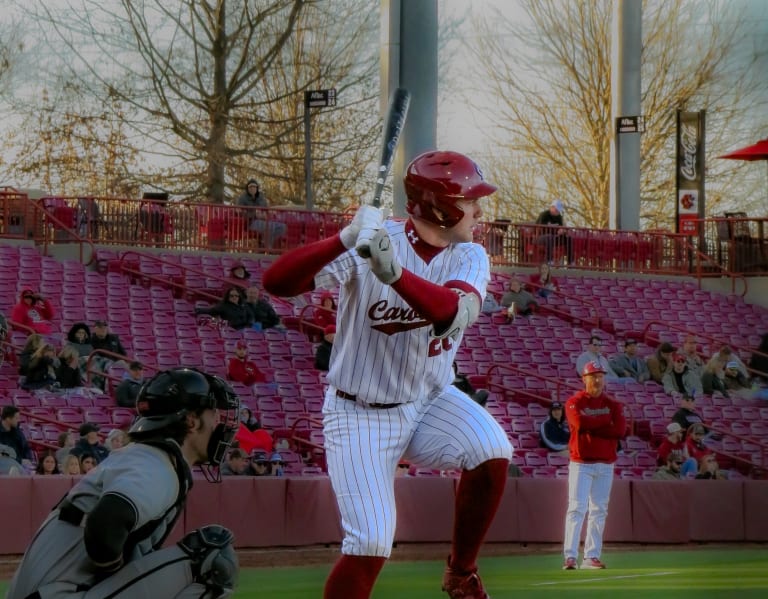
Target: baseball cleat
<point>592,563</point>
<point>463,585</point>
<point>570,564</point>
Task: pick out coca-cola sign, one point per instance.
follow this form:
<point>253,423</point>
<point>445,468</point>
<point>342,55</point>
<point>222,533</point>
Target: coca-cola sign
<point>689,148</point>
<point>690,171</point>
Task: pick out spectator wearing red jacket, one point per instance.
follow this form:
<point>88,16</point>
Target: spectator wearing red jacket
<point>241,369</point>
<point>596,423</point>
<point>33,311</point>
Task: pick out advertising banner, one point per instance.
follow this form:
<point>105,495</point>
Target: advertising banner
<point>689,171</point>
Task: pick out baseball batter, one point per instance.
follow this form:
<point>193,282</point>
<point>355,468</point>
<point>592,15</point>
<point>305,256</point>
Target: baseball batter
<point>401,317</point>
<point>597,423</point>
<point>103,539</point>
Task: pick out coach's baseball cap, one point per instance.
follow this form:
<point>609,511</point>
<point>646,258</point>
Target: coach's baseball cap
<point>592,368</point>
<point>241,345</point>
<point>674,427</point>
<point>88,427</point>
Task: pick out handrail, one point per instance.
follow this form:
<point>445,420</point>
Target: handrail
<point>307,323</point>
<point>594,308</point>
<point>559,385</point>
<point>301,441</point>
<point>702,257</point>
<point>115,357</point>
<point>13,325</point>
<point>762,467</point>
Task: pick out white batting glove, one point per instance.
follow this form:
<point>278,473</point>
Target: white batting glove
<point>383,261</point>
<point>366,217</point>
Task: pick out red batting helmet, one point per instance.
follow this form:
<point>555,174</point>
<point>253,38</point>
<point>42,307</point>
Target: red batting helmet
<point>435,181</point>
<point>592,368</point>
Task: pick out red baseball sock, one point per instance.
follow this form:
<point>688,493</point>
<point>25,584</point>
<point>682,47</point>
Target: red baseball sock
<point>477,500</point>
<point>353,577</point>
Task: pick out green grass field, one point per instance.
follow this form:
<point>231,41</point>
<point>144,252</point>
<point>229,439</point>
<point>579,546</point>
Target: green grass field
<point>702,573</point>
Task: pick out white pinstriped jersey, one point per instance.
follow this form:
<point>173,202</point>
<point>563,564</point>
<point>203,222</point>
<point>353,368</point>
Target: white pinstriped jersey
<point>384,352</point>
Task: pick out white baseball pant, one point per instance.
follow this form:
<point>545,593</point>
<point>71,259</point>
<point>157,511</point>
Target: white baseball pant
<point>589,486</point>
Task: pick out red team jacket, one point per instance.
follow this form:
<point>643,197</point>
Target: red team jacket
<point>244,371</point>
<point>596,423</point>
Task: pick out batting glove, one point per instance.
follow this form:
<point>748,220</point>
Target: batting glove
<point>367,217</point>
<point>383,261</point>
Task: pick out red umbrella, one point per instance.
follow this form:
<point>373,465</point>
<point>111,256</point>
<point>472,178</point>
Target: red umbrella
<point>757,151</point>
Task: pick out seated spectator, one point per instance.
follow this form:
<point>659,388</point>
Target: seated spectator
<point>31,345</point>
<point>712,379</point>
<point>41,373</point>
<point>89,443</point>
<point>490,304</point>
<point>660,362</point>
<point>231,308</point>
<point>629,365</point>
<point>248,420</point>
<point>695,361</point>
<point>12,436</point>
<point>680,379</point>
<point>102,339</point>
<point>9,466</point>
<point>554,431</point>
<point>260,465</point>
<point>543,282</point>
<point>517,300</point>
<point>593,353</point>
<point>277,464</point>
<point>34,311</point>
<point>725,354</point>
<point>686,415</point>
<point>87,463</point>
<point>263,312</point>
<point>239,276</point>
<point>735,381</point>
<point>66,442</point>
<point>324,348</point>
<point>128,389</point>
<point>271,229</point>
<point>242,370</point>
<point>709,469</point>
<point>672,469</point>
<point>325,314</point>
<point>68,373</point>
<point>674,442</point>
<point>236,463</point>
<point>79,337</point>
<point>694,442</point>
<point>117,438</point>
<point>759,361</point>
<point>47,463</point>
<point>71,465</point>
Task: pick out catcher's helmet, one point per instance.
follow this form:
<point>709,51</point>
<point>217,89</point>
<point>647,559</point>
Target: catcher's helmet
<point>434,181</point>
<point>592,368</point>
<point>171,394</point>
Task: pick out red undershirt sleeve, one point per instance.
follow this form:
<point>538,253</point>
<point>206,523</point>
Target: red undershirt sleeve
<point>294,272</point>
<point>437,303</point>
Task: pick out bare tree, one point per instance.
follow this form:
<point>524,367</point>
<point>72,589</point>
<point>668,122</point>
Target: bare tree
<point>554,97</point>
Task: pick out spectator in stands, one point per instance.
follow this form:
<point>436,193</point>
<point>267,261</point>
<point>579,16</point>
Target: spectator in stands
<point>102,339</point>
<point>236,463</point>
<point>232,308</point>
<point>260,465</point>
<point>128,389</point>
<point>735,381</point>
<point>66,441</point>
<point>253,198</point>
<point>694,442</point>
<point>672,469</point>
<point>324,348</point>
<point>47,463</point>
<point>712,379</point>
<point>34,311</point>
<point>242,370</point>
<point>709,469</point>
<point>461,382</point>
<point>517,300</point>
<point>248,420</point>
<point>9,466</point>
<point>89,443</point>
<point>68,373</point>
<point>41,373</point>
<point>79,337</point>
<point>629,365</point>
<point>490,304</point>
<point>71,465</point>
<point>680,379</point>
<point>31,345</point>
<point>543,282</point>
<point>593,353</point>
<point>239,276</point>
<point>12,436</point>
<point>277,464</point>
<point>660,361</point>
<point>554,431</point>
<point>263,311</point>
<point>725,354</point>
<point>674,442</point>
<point>759,361</point>
<point>555,235</point>
<point>117,438</point>
<point>325,314</point>
<point>686,415</point>
<point>87,463</point>
<point>695,361</point>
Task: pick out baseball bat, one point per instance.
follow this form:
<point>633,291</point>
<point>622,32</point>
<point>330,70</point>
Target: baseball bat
<point>393,127</point>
